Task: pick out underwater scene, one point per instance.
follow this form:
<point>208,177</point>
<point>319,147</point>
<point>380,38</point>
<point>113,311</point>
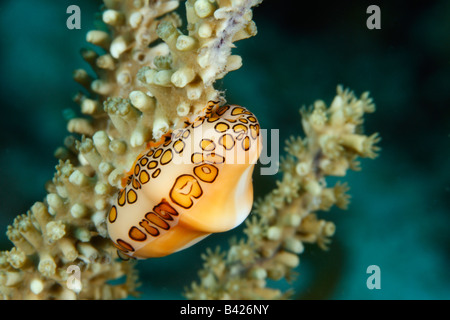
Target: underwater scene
<point>351,192</point>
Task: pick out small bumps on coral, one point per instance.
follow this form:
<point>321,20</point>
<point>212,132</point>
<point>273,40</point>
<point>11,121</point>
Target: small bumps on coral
<point>196,181</point>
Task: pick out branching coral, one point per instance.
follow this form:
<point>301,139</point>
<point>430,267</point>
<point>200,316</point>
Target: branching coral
<point>286,218</point>
<point>139,91</point>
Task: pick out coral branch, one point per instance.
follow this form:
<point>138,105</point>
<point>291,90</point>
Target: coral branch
<point>286,218</point>
<point>141,89</point>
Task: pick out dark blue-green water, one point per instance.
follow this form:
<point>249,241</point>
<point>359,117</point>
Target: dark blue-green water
<point>399,217</point>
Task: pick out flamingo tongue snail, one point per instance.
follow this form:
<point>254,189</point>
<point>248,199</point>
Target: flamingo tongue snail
<point>196,181</point>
